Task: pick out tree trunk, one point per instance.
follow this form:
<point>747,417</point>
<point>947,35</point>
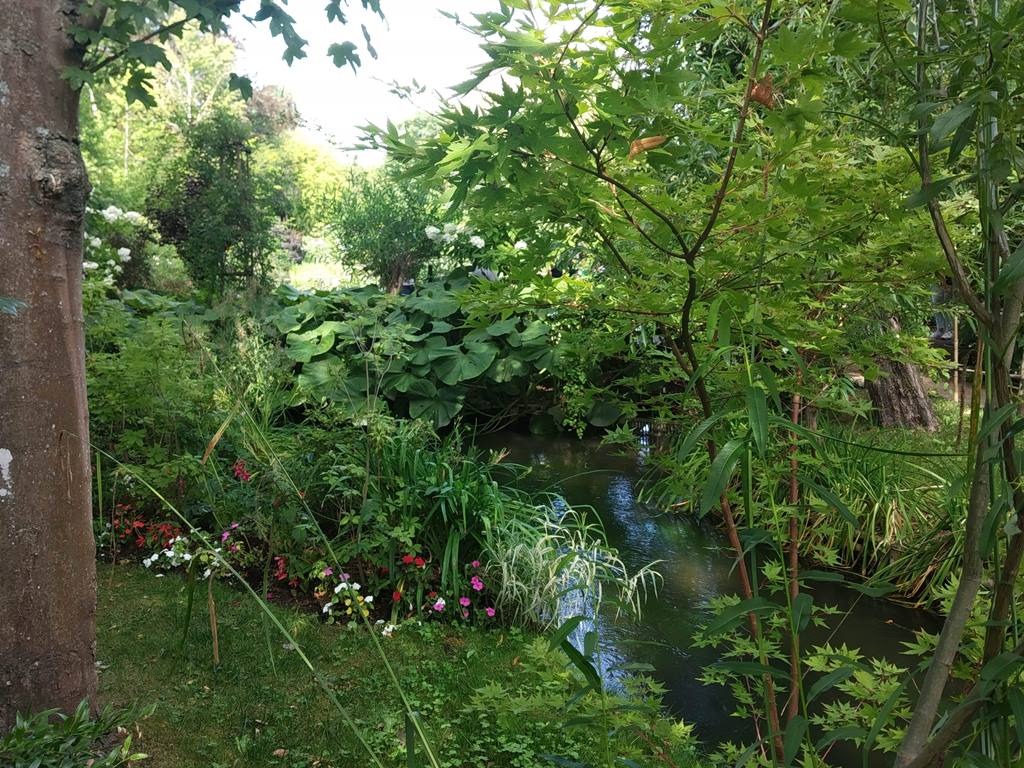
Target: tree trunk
<point>900,399</point>
<point>899,395</point>
<point>47,555</point>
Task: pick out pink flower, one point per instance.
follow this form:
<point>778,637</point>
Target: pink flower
<point>224,536</point>
<point>490,612</point>
<point>465,613</point>
<point>476,583</point>
<point>328,571</point>
<point>234,525</point>
<point>439,605</point>
<point>464,601</point>
<point>475,564</point>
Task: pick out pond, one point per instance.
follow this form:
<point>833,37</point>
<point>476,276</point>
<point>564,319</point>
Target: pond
<point>696,566</point>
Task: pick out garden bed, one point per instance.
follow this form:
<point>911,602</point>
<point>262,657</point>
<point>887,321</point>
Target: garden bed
<point>487,697</point>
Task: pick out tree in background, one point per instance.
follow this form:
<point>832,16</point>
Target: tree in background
<point>383,225</point>
<point>213,206</point>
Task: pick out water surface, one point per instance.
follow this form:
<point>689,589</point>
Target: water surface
<point>696,567</point>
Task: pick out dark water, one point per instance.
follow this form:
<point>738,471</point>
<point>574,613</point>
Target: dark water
<point>696,568</point>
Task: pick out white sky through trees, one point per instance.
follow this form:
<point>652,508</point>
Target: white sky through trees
<point>415,41</point>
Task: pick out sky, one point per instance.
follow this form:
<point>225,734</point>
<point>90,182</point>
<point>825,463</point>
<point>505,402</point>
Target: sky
<point>413,42</point>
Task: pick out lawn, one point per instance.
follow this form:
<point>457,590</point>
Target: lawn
<point>251,711</point>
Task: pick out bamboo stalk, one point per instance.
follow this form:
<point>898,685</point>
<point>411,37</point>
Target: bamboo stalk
<point>213,621</point>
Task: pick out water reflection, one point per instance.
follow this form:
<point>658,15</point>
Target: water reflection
<point>695,569</point>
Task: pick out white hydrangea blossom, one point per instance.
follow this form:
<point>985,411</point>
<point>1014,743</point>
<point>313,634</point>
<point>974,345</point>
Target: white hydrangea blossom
<point>88,266</point>
<point>520,245</point>
<point>124,254</point>
<point>432,232</point>
<point>476,241</point>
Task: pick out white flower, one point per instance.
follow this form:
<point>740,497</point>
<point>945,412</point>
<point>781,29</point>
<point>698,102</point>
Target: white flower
<point>432,232</point>
<point>89,265</point>
<point>111,213</point>
<point>206,573</point>
<point>447,238</point>
<point>338,588</point>
<point>124,254</point>
<point>187,556</point>
<point>368,599</point>
<point>327,607</point>
<point>476,241</point>
<point>135,217</point>
<point>95,242</point>
<point>388,629</point>
<point>108,280</point>
<point>355,586</point>
<point>451,229</point>
<point>520,245</point>
<point>118,268</point>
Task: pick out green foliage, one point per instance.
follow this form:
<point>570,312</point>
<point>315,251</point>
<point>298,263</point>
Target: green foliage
<point>451,675</point>
<point>53,740</point>
<point>360,347</point>
<point>214,208</point>
<point>382,221</point>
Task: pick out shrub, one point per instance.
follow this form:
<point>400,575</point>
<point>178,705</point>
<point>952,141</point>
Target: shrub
<point>52,740</point>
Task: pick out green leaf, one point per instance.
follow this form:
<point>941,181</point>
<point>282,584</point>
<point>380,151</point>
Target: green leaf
<point>604,414</point>
<point>828,682</point>
<point>832,500</point>
<point>949,121</point>
<point>440,409</point>
<point>582,664</point>
<point>803,606</point>
<point>732,615</point>
<point>1012,272</point>
<point>344,53</point>
<point>503,327</point>
<point>791,740</point>
<point>465,366</point>
<point>1015,697</point>
<point>695,435</point>
<point>720,474</point>
<point>928,193</point>
<point>757,416</point>
<point>750,668</point>
<point>241,84</point>
<point>564,630</point>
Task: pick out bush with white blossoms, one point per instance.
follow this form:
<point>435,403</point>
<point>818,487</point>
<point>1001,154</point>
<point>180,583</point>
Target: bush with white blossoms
<point>454,236</point>
<point>117,245</point>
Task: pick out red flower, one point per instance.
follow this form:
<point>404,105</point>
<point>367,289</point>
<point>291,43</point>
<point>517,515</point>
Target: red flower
<point>420,562</point>
<point>396,596</point>
<point>407,559</point>
<point>240,471</point>
<point>281,570</point>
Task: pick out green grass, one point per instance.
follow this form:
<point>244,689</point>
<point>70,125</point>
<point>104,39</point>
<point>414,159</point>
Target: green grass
<point>240,713</point>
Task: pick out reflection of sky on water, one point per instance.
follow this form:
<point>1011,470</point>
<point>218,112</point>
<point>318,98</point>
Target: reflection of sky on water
<point>694,569</point>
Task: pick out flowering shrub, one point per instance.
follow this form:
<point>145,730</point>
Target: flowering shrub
<point>118,247</point>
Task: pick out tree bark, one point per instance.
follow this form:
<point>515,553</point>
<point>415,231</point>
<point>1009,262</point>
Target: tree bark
<point>47,554</point>
<point>899,396</point>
